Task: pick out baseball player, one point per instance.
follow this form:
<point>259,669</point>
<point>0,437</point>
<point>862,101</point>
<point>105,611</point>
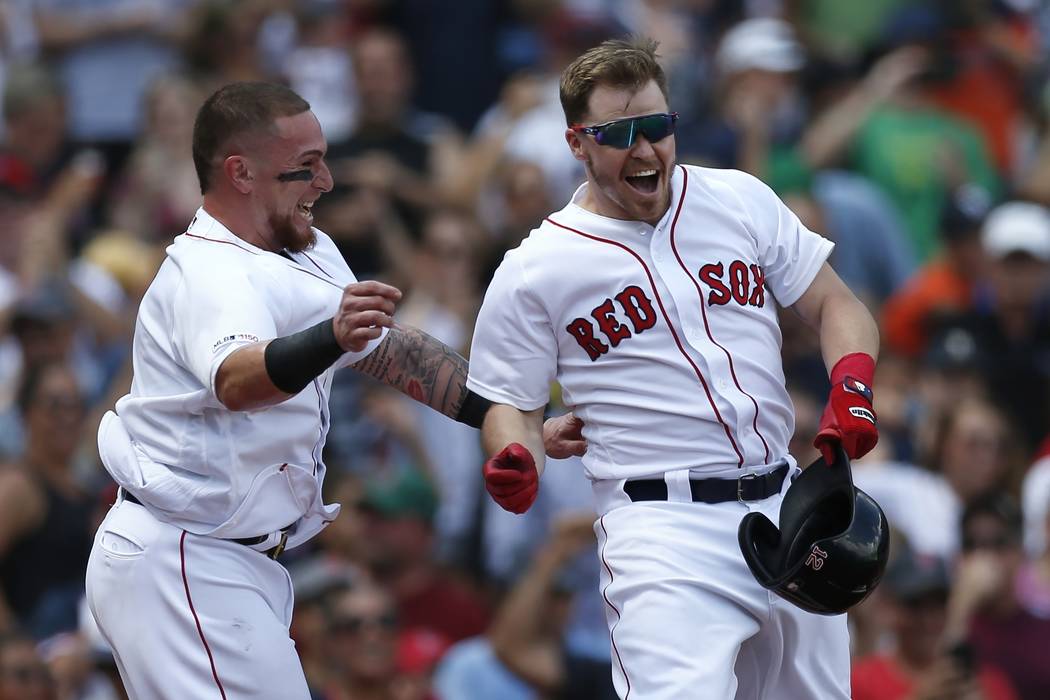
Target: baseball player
<point>652,299</point>
<point>217,448</point>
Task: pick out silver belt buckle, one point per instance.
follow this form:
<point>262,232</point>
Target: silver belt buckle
<point>740,486</point>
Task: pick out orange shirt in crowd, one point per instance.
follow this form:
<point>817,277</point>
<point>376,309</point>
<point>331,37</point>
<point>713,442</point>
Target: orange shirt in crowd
<point>936,287</point>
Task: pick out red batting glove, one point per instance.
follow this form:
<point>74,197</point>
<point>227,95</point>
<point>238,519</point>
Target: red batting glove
<point>849,418</point>
<point>511,478</point>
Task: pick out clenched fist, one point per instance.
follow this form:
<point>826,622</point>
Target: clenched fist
<point>511,478</point>
<point>364,311</point>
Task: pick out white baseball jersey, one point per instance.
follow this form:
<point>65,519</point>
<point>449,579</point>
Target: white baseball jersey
<point>197,465</point>
<point>664,339</point>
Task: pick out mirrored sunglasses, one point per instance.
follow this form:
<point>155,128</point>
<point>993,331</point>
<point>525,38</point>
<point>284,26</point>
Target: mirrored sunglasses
<point>622,133</point>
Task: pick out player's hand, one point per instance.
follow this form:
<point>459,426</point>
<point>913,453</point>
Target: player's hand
<point>364,311</point>
<point>849,418</point>
<point>563,437</point>
<point>511,478</point>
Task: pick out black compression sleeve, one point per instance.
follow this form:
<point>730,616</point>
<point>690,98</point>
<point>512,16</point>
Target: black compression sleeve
<point>473,410</point>
<point>294,360</point>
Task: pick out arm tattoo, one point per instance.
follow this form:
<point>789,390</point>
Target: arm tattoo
<point>420,366</point>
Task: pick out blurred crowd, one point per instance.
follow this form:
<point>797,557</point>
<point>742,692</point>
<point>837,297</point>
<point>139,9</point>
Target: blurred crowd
<point>915,134</point>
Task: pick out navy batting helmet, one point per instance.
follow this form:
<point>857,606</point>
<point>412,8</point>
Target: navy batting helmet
<point>831,548</point>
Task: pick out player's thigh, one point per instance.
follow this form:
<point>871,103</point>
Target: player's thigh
<point>815,658</point>
<point>675,628</point>
<point>192,617</point>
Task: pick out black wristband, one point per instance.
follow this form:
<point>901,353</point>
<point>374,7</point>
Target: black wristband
<point>473,410</point>
<point>295,360</point>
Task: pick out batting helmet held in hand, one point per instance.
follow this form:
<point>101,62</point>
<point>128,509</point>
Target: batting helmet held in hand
<point>830,550</point>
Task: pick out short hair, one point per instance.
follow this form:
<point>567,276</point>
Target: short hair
<point>234,110</point>
<point>1000,506</point>
<point>619,63</point>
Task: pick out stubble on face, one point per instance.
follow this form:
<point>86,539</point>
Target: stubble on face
<point>609,168</point>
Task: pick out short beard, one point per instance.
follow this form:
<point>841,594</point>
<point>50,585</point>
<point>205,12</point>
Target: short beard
<point>286,235</point>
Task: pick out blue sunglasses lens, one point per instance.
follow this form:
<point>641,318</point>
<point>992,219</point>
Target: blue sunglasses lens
<point>622,134</point>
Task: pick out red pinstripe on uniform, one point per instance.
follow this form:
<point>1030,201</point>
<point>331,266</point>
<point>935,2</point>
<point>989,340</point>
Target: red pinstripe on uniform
<point>674,334</point>
<point>193,611</point>
<point>703,310</point>
<point>612,639</point>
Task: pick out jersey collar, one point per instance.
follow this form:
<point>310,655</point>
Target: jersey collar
<point>574,210</point>
<point>204,225</point>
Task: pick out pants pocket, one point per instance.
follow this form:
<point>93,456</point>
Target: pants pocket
<point>119,545</point>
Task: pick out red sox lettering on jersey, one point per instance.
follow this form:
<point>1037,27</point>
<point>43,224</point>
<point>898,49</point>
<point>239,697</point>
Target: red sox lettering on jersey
<point>663,338</point>
<point>746,286</point>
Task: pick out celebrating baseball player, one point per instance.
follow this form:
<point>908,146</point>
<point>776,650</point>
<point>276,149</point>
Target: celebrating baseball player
<point>651,297</point>
<point>217,449</point>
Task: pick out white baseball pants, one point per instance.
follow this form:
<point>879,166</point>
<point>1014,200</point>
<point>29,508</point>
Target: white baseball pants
<point>191,617</point>
<point>686,617</point>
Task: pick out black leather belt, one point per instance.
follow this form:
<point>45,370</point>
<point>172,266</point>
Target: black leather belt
<point>272,552</point>
<point>750,487</point>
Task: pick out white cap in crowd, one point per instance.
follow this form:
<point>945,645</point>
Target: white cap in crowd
<point>764,43</point>
<point>1017,227</point>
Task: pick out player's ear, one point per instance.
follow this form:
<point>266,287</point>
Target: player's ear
<point>575,145</point>
<point>239,172</point>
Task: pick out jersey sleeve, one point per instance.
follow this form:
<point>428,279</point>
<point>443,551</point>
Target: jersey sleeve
<point>513,355</point>
<point>790,254</point>
<point>216,313</point>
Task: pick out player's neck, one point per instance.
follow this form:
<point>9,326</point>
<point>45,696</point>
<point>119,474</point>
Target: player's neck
<point>238,220</point>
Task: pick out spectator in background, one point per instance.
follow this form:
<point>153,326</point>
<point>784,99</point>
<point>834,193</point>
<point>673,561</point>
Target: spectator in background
<point>889,128</point>
<point>521,202</point>
<point>970,456</point>
<point>400,538</point>
<point>986,608</point>
<point>363,627</point>
<point>842,32</point>
<point>35,147</point>
<point>1010,323</point>
<point>991,51</point>
<point>18,40</point>
<point>945,284</point>
<point>316,580</point>
<point>871,252</point>
<point>319,66</point>
<point>757,105</point>
<point>443,301</point>
<point>453,49</point>
<point>469,670</point>
<point>69,657</point>
<point>526,123</point>
<point>418,653</point>
<point>389,164</point>
<point>922,664</point>
<point>23,674</point>
<point>158,192</point>
<point>45,515</point>
<point>528,630</point>
<point>221,42</point>
<point>107,52</point>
